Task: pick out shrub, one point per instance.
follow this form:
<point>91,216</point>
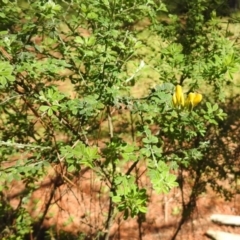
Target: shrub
<point>89,47</point>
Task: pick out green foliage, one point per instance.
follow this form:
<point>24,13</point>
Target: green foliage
<point>129,198</point>
<point>87,46</point>
<point>6,74</point>
<point>79,155</point>
<point>197,39</point>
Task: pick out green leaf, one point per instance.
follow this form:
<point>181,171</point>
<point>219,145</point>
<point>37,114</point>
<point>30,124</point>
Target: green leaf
<point>50,112</point>
<point>6,71</point>
<point>215,107</point>
<point>92,15</point>
<point>71,168</point>
<point>44,108</point>
<point>79,40</point>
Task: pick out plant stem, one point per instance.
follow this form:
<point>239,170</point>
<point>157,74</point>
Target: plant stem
<point>110,124</point>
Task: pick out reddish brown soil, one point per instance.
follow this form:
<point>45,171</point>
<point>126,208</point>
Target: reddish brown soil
<point>160,223</point>
<point>78,207</point>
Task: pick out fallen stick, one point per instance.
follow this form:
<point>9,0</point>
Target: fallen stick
<point>226,219</point>
<point>219,235</point>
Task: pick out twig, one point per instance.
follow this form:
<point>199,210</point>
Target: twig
<point>21,145</point>
<point>8,99</point>
<point>165,208</point>
<point>110,124</point>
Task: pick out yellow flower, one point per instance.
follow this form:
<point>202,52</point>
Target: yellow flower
<point>178,97</point>
<point>193,100</point>
<point>197,99</point>
<point>174,99</point>
<point>190,99</point>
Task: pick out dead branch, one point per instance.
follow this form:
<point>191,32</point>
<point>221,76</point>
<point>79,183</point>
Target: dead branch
<point>219,235</point>
<point>226,219</point>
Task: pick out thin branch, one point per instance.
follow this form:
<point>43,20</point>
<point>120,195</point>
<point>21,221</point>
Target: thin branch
<point>132,126</point>
<point>110,124</point>
<point>8,99</point>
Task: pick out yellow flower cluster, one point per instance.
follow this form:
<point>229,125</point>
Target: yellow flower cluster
<point>192,100</point>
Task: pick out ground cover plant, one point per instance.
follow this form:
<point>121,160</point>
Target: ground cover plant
<point>94,122</point>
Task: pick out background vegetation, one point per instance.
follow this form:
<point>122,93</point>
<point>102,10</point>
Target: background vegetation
<point>87,86</point>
